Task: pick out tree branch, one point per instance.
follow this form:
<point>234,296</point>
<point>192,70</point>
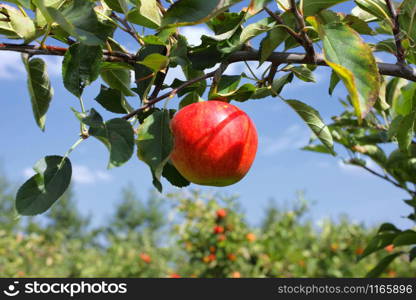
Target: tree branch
<point>403,71</point>
<point>111,56</point>
<point>396,70</point>
<point>400,54</point>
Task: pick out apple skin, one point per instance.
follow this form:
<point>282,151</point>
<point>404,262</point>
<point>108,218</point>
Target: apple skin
<point>215,143</point>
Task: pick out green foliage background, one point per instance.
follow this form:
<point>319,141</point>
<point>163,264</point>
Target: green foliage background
<point>177,233</point>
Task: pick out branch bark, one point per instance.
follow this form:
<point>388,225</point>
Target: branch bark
<point>400,54</point>
<point>396,70</point>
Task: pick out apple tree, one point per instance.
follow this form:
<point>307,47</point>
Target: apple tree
<point>379,111</point>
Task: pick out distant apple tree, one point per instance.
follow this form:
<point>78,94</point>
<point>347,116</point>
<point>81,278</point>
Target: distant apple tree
<point>379,110</point>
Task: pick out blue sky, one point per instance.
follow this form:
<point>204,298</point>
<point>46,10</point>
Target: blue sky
<point>280,168</point>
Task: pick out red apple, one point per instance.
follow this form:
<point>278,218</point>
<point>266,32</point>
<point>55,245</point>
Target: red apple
<point>215,143</point>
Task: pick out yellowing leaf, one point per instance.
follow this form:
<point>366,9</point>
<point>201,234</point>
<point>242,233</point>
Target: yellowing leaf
<point>352,59</point>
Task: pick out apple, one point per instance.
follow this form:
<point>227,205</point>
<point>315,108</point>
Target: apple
<point>221,213</point>
<point>218,229</point>
<point>215,143</point>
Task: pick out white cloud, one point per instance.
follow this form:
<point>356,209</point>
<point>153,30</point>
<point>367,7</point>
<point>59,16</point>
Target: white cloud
<point>293,137</point>
<point>194,33</point>
<point>80,174</point>
<point>84,175</point>
<point>11,65</point>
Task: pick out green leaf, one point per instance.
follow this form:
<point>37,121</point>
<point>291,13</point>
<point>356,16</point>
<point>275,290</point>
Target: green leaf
<point>255,29</point>
<point>333,83</point>
<point>312,7</point>
<point>40,89</point>
<point>80,67</point>
<point>118,5</point>
<point>358,25</point>
<point>145,76</point>
<point>192,97</point>
<point>382,265</point>
<point>118,137</point>
<point>118,76</point>
<point>380,241</point>
<point>279,83</point>
<point>112,100</point>
<point>376,8</point>
<point>302,72</point>
<point>154,143</point>
<point>405,131</point>
<point>192,12</point>
<point>93,119</point>
<point>228,88</point>
<point>153,40</point>
<point>146,13</point>
<point>388,227</point>
<point>412,254</point>
<point>155,61</point>
<point>43,13</point>
<point>363,15</point>
<point>393,89</point>
<point>256,5</point>
<point>19,24</point>
<point>275,37</point>
<point>405,102</point>
<point>405,238</point>
<point>314,121</point>
<point>38,193</point>
<point>407,19</point>
<point>317,148</point>
<point>80,20</point>
<point>353,61</point>
<point>225,24</point>
<point>173,176</point>
<point>116,134</point>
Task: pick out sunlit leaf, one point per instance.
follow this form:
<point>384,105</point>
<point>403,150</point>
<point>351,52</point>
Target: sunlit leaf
<point>40,89</point>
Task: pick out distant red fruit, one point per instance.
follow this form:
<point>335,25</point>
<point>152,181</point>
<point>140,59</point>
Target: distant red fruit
<point>212,249</point>
<point>359,250</point>
<point>389,248</point>
<point>222,237</point>
<point>209,258</point>
<point>221,213</point>
<point>218,229</point>
<point>145,257</point>
<point>236,274</point>
<point>174,275</point>
<point>231,256</point>
<point>251,237</point>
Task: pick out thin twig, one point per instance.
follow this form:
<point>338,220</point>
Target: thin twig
<point>307,42</point>
<point>400,54</point>
<point>385,177</point>
<point>280,21</point>
<point>170,94</point>
<point>128,28</point>
<point>159,84</point>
